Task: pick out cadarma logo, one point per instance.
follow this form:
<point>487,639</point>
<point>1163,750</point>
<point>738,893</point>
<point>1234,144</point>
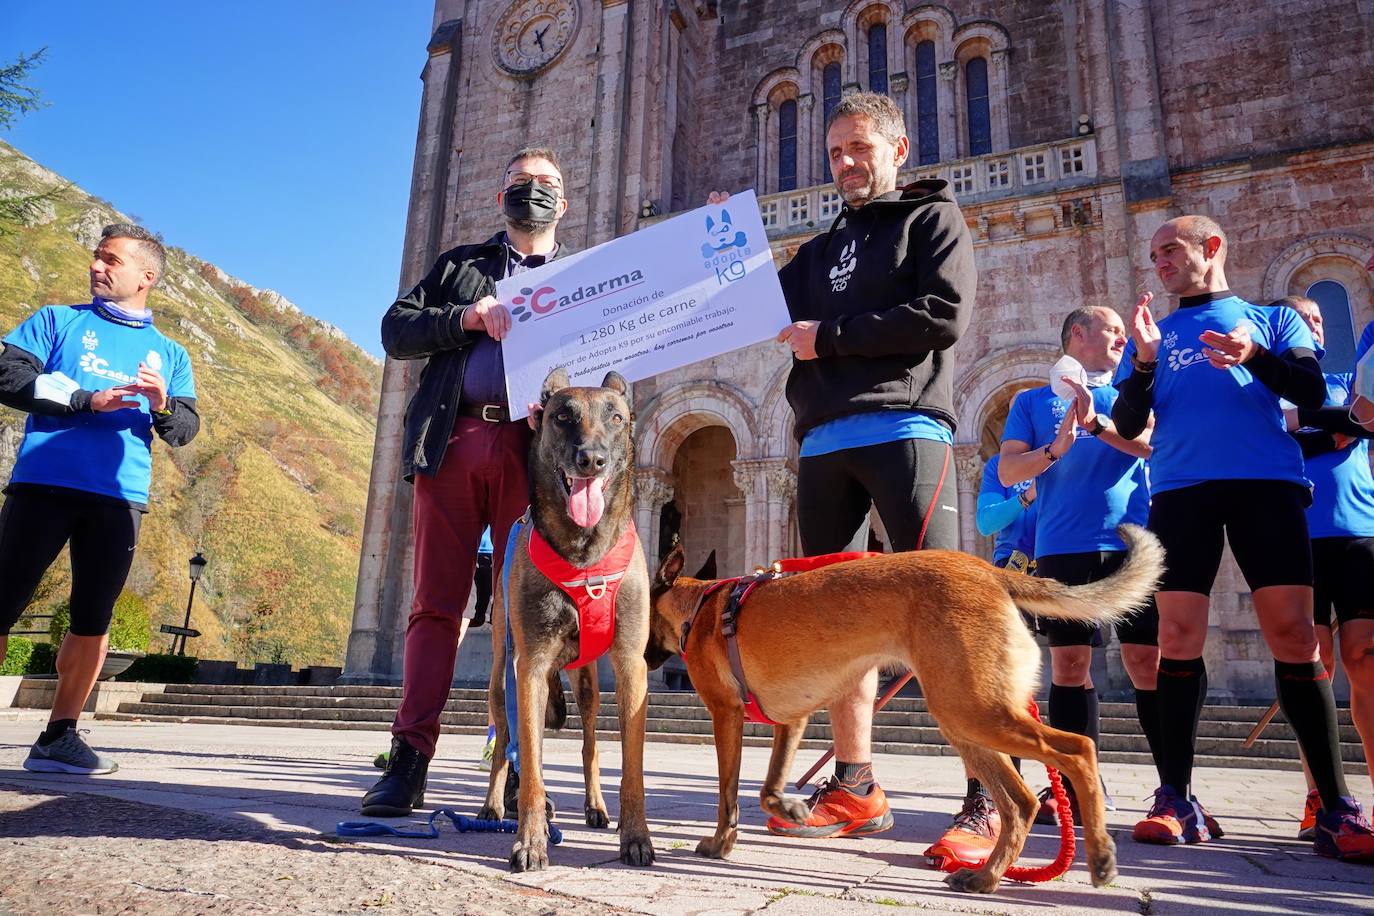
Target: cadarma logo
<point>541,301</point>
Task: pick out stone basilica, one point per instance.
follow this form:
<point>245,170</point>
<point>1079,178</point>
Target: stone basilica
<point>1068,129</point>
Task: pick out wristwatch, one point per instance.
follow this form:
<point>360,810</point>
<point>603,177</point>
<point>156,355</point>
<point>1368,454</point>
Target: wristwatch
<point>1049,454</point>
<point>1098,427</point>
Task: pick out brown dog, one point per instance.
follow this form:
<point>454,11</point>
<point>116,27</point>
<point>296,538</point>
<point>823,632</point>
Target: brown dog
<point>581,470</point>
<point>951,618</point>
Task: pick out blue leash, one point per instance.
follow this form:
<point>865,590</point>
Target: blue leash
<point>462,822</point>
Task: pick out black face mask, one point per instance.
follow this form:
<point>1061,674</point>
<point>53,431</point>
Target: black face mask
<point>530,203</point>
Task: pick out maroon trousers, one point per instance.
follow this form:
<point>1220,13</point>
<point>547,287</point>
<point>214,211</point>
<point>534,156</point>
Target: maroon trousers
<point>482,481</point>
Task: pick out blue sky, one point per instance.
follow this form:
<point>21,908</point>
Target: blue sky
<point>274,139</point>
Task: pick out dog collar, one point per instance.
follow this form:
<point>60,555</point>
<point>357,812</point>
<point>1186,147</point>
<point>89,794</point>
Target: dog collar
<point>592,589</point>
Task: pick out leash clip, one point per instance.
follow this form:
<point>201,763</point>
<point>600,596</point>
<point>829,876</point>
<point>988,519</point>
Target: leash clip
<point>596,587</point>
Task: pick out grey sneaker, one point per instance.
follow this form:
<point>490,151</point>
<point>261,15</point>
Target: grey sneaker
<point>69,754</point>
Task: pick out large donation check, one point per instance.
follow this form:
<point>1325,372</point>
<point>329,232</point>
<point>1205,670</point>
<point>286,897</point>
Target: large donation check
<point>689,288</point>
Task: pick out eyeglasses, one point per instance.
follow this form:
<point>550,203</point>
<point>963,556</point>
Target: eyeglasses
<point>552,182</point>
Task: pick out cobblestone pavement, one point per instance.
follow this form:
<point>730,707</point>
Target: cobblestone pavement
<point>225,819</point>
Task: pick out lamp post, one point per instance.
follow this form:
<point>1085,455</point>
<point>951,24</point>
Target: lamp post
<point>197,566</point>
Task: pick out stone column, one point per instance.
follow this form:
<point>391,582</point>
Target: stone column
<point>749,478</point>
<point>968,465</point>
<point>761,141</point>
<point>947,104</point>
<point>999,102</point>
<point>782,490</point>
<point>806,141</point>
<point>653,490</point>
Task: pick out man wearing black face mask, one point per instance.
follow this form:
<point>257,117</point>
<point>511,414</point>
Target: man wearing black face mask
<point>465,457</point>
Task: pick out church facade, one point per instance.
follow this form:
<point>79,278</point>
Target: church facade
<point>1068,129</point>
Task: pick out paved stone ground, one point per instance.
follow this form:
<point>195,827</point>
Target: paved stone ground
<point>226,819</point>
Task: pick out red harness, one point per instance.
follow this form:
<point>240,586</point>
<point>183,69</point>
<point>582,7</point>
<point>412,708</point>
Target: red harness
<point>592,590</point>
<point>743,587</point>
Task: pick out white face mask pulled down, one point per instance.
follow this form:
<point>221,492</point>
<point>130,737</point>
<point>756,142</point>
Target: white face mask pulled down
<point>1068,366</point>
<point>1361,407</point>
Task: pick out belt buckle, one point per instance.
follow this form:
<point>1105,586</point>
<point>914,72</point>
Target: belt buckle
<point>495,407</point>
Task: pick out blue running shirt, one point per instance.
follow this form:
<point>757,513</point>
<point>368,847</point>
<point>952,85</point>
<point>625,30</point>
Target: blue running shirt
<point>1214,424</point>
<point>105,453</point>
<point>1083,496</point>
<point>1342,486</point>
<point>1019,534</point>
<point>872,427</point>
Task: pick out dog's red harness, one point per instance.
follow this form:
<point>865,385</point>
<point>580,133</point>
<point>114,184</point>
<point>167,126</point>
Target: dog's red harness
<point>592,590</point>
<point>729,617</point>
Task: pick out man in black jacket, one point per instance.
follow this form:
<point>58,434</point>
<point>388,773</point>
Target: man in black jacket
<point>877,302</point>
<point>464,455</point>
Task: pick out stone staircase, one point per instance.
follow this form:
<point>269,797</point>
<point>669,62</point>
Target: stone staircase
<point>904,727</point>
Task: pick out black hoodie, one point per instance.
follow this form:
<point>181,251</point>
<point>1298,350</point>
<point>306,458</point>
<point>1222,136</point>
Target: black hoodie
<point>892,285</point>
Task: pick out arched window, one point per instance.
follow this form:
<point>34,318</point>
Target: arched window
<point>1337,323</point>
<point>830,97</point>
<point>877,57</point>
<point>979,116</point>
<point>927,108</point>
<point>787,145</point>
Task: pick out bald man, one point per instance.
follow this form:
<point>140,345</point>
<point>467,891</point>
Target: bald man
<point>1223,468</point>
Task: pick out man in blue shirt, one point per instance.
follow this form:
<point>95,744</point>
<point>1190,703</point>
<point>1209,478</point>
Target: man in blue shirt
<point>97,380</point>
<point>1009,513</point>
<point>1090,480</point>
<point>1340,522</point>
<point>1213,373</point>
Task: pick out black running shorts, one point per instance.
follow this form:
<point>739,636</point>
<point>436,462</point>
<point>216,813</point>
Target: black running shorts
<point>36,523</point>
<point>1343,579</point>
<point>1140,628</point>
<point>1265,522</point>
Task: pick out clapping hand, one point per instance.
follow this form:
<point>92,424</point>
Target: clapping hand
<point>1144,330</point>
<point>1225,351</point>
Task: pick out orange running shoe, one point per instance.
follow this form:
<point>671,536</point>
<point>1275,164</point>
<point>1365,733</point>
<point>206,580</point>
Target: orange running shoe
<point>1307,830</point>
<point>969,840</point>
<point>1343,833</point>
<point>836,812</point>
<point>1172,819</point>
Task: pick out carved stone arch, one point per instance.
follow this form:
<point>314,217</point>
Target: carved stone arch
<point>1279,274</point>
<point>809,57</point>
<point>988,40</point>
<point>935,24</point>
<point>996,36</point>
<point>775,417</point>
<point>675,414</point>
<point>764,90</point>
<point>935,13</point>
<point>977,391</point>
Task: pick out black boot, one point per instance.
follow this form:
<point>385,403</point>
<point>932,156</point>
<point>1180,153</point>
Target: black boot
<point>512,797</point>
<point>402,786</point>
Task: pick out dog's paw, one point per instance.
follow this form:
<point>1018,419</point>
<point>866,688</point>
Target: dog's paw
<point>793,810</point>
<point>717,847</point>
<point>1102,865</point>
<point>491,813</point>
<point>597,817</point>
<point>636,850</point>
<point>533,856</point>
<point>968,881</point>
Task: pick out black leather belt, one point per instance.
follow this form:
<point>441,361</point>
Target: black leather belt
<point>492,413</point>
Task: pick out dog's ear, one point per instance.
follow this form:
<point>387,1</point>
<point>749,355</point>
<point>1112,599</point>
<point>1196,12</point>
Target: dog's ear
<point>709,223</point>
<point>616,382</point>
<point>672,564</point>
<point>555,381</point>
<point>708,569</point>
<point>725,219</point>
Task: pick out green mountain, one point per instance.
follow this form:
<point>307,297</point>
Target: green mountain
<point>272,490</point>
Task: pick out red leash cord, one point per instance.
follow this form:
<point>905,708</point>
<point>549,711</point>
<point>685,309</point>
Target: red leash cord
<point>1038,874</point>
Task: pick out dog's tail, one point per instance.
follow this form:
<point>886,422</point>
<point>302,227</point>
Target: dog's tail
<point>1104,601</point>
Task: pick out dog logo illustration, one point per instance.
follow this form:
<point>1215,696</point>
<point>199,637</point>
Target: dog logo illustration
<point>89,340</point>
<point>722,236</point>
<point>1170,340</point>
<point>839,274</point>
<point>153,360</point>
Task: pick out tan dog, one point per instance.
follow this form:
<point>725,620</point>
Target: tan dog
<point>951,618</point>
<point>581,471</point>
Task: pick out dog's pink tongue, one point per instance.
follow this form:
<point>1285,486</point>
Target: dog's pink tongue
<point>585,502</point>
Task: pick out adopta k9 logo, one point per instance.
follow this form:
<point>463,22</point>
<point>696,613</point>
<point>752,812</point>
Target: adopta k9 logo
<point>540,301</point>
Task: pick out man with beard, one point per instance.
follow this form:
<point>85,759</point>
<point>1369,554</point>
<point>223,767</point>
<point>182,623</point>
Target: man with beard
<point>461,450</point>
<point>876,301</point>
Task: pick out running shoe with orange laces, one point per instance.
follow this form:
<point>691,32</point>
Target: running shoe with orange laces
<point>1307,830</point>
<point>970,837</point>
<point>1344,834</point>
<point>1172,819</point>
<point>836,812</point>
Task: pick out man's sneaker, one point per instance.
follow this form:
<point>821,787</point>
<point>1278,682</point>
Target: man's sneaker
<point>1172,819</point>
<point>970,837</point>
<point>1049,807</point>
<point>1307,829</point>
<point>1344,834</point>
<point>402,786</point>
<point>836,811</point>
<point>488,750</point>
<point>1213,825</point>
<point>68,753</point>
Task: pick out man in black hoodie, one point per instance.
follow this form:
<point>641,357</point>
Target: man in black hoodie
<point>877,302</point>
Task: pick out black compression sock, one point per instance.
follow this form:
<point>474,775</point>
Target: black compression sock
<point>1182,688</point>
<point>56,729</point>
<point>1147,711</point>
<point>1094,715</point>
<point>855,777</point>
<point>1306,700</point>
<point>1070,709</point>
